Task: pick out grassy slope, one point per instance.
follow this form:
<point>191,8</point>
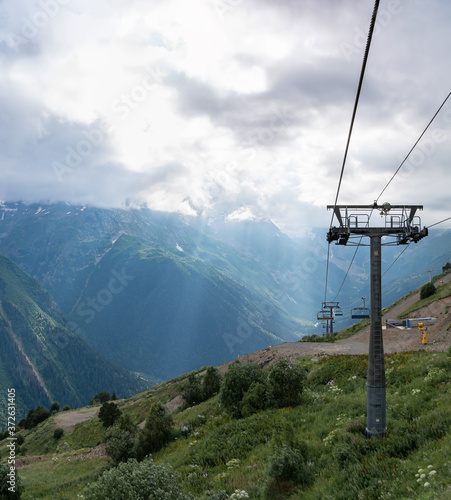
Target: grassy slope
<point>344,463</point>
<point>442,292</point>
<point>69,367</point>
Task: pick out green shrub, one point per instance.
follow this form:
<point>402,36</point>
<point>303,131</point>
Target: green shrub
<point>157,431</point>
<point>436,375</point>
<point>287,383</point>
<point>287,468</point>
<point>192,391</point>
<point>35,417</point>
<point>120,441</point>
<point>55,408</point>
<point>212,382</point>
<point>427,290</point>
<point>254,400</point>
<point>102,397</point>
<point>237,381</point>
<point>58,433</point>
<point>66,408</point>
<point>6,483</point>
<point>120,445</point>
<point>138,481</point>
<point>289,464</point>
<point>109,413</point>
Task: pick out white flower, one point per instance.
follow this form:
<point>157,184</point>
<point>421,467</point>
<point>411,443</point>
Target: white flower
<point>423,476</point>
<point>430,467</point>
<point>239,494</point>
<point>426,485</point>
<point>432,472</point>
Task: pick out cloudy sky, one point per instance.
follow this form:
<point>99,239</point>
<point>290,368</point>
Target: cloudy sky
<point>233,108</point>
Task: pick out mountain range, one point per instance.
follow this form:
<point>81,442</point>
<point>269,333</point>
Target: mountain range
<point>161,294</point>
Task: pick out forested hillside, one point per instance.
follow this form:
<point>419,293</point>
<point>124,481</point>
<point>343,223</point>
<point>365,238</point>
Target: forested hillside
<point>42,357</point>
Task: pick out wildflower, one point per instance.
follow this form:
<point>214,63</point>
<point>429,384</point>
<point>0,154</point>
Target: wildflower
<point>426,485</point>
<point>432,472</point>
<point>239,494</point>
<point>423,476</point>
<point>233,464</point>
<point>430,467</point>
<point>220,476</point>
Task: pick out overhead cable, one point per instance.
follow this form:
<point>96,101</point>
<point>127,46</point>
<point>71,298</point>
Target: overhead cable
<point>393,176</point>
<point>388,268</point>
<point>444,220</point>
<point>354,112</point>
<point>414,146</point>
<point>359,88</point>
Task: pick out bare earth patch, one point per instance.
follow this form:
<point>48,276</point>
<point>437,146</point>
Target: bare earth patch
<point>69,419</point>
<point>395,340</point>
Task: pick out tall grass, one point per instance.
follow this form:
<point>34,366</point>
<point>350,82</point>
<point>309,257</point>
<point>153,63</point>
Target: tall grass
<point>215,452</point>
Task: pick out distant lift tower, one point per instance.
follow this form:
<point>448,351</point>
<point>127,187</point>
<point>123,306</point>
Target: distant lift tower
<point>327,314</point>
<point>398,222</point>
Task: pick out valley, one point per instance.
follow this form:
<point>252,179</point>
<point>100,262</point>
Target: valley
<point>327,420</point>
<point>161,294</point>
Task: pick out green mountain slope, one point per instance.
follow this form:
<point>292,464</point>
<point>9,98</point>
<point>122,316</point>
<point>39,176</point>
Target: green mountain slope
<point>163,313</point>
<point>60,245</point>
<point>40,354</point>
<point>273,286</point>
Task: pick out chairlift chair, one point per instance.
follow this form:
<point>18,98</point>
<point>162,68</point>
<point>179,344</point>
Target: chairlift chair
<point>324,315</point>
<point>360,312</point>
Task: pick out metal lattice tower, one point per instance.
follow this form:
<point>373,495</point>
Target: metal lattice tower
<point>327,314</point>
<point>400,223</point>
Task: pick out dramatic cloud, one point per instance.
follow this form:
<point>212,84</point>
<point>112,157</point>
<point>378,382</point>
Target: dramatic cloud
<point>231,108</point>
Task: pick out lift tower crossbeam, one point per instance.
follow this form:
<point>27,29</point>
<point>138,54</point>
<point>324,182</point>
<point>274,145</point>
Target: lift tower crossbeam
<point>401,223</point>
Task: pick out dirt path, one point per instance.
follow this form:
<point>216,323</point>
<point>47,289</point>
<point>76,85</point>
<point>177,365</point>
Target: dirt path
<point>395,340</point>
<point>69,419</point>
